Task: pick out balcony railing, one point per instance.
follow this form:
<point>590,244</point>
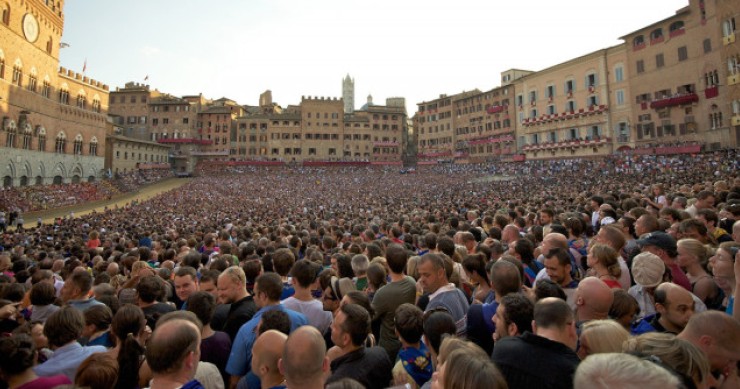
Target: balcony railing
<point>545,118</point>
<point>497,109</point>
<point>711,92</point>
<point>567,144</point>
<point>385,144</point>
<point>683,99</point>
<point>187,140</point>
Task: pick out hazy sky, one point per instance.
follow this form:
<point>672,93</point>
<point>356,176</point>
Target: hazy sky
<point>413,49</point>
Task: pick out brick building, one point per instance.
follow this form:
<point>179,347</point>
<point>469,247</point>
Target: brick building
<point>53,119</point>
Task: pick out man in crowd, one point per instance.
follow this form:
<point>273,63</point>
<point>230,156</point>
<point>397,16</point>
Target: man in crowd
<point>186,283</point>
<point>267,291</point>
<point>76,291</point>
<point>62,329</point>
<point>401,289</point>
<point>267,351</point>
<point>674,307</point>
<point>664,246</point>
<point>513,316</point>
<point>718,336</point>
<point>304,363</point>
<point>547,356</point>
<point>370,366</point>
<point>304,277</point>
<point>173,353</point>
<point>593,299</point>
<point>433,280</point>
<point>232,289</point>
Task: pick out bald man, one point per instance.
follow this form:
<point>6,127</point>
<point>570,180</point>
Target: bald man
<point>674,306</point>
<point>593,300</point>
<point>717,334</point>
<point>266,352</point>
<point>306,365</point>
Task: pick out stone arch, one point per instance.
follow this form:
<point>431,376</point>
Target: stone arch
<point>76,174</point>
<point>59,170</point>
<point>33,71</point>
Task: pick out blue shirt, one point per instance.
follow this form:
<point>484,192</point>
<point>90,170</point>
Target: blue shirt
<point>240,359</point>
<point>66,359</point>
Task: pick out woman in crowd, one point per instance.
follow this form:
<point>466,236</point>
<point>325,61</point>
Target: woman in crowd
<point>17,358</point>
<point>603,263</point>
<point>693,257</point>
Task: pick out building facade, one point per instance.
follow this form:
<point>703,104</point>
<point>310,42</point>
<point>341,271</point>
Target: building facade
<point>319,129</point>
<point>677,84</point>
<point>484,126</point>
<point>563,111</point>
<point>728,13</point>
<point>53,119</point>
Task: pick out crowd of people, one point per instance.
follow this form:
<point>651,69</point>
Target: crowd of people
<point>43,197</point>
<point>619,272</point>
<point>134,180</point>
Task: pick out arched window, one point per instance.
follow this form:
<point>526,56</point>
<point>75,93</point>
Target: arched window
<point>10,134</point>
<point>638,41</point>
<point>33,80</point>
<point>6,14</point>
<point>2,64</point>
<point>656,34</point>
<point>27,135</point>
<point>675,26</point>
<point>81,99</point>
<point>78,145</point>
<point>60,145</point>
<point>18,72</point>
<point>41,133</point>
<point>96,104</point>
<point>64,94</point>
<point>49,45</point>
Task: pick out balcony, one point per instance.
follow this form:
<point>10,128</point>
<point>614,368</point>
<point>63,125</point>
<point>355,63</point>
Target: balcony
<point>482,141</point>
<point>677,32</point>
<point>733,79</point>
<point>684,99</point>
<point>385,144</point>
<point>623,139</point>
<point>571,143</point>
<point>736,120</point>
<point>591,110</point>
<point>729,39</point>
<point>497,109</point>
<point>187,141</point>
<point>711,92</point>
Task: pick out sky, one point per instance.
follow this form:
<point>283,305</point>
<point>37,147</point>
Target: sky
<point>392,48</point>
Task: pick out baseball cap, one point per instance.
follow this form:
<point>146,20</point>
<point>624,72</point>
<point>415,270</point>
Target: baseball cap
<point>658,239</point>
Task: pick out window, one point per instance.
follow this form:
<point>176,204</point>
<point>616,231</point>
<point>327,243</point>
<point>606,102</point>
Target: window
<point>96,105</point>
<point>17,75</point>
<point>640,66</point>
<point>185,121</point>
<point>659,61</point>
<point>81,101</point>
<point>6,15</point>
<point>550,91</point>
<point>618,74</point>
<point>64,96</point>
<point>683,53</point>
<point>42,141</point>
<point>60,145</point>
<point>676,26</point>
<point>311,151</point>
<point>656,35</point>
<point>155,121</point>
<point>532,97</point>
<point>707,45</point>
<point>27,138</point>
<point>570,106</point>
<point>728,27</point>
<point>133,99</point>
<point>78,145</point>
<point>166,121</point>
<point>32,82</point>
<point>570,86</point>
<point>638,41</point>
<point>574,133</point>
<point>2,67</point>
<point>46,89</point>
<point>10,137</point>
<point>591,80</point>
<point>620,97</point>
<point>592,101</point>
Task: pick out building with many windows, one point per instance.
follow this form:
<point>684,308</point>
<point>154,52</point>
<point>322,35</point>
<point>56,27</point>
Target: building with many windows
<point>677,80</point>
<point>319,129</point>
<point>728,14</point>
<point>53,119</point>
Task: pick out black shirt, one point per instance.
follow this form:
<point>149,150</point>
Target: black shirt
<point>531,361</point>
<point>240,312</point>
<point>370,366</point>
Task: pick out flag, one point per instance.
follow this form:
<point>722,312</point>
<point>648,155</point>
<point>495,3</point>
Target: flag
<point>146,78</point>
<point>84,67</point>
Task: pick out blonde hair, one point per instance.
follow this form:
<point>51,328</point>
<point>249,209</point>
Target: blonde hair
<point>616,370</point>
<point>235,274</point>
<point>465,370</point>
<point>697,249</point>
<point>607,257</point>
<point>604,336</point>
<point>681,355</point>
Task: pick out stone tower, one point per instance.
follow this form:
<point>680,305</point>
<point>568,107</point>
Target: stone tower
<point>348,94</point>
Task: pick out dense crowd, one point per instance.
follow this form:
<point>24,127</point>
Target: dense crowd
<point>43,197</point>
<point>619,272</point>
